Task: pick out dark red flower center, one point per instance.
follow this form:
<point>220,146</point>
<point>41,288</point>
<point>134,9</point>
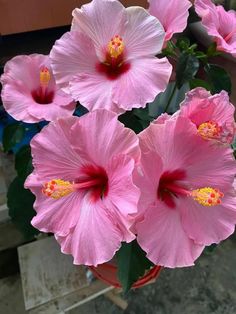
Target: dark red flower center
<point>43,96</point>
<point>114,64</point>
<point>170,187</point>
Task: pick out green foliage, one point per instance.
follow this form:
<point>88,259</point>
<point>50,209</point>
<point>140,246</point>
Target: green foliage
<point>23,161</point>
<point>20,203</point>
<point>132,264</point>
<point>186,69</point>
<point>218,78</point>
<point>211,51</point>
<point>12,135</point>
<point>199,83</point>
<point>137,119</point>
<point>183,43</point>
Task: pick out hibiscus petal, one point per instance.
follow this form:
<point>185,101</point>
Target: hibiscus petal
<point>53,155</point>
<point>207,225</point>
<point>161,235</point>
<point>57,216</point>
<point>122,191</point>
<point>96,237</point>
<point>173,15</point>
<point>146,78</point>
<point>72,55</point>
<point>143,34</point>
<point>100,144</point>
<point>100,20</point>
<point>94,91</point>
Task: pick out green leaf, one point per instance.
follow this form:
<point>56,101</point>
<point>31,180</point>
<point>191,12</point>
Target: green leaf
<point>20,203</point>
<point>186,69</point>
<point>132,264</point>
<point>131,121</point>
<point>23,161</point>
<point>183,43</point>
<point>218,78</point>
<point>211,51</point>
<point>12,135</point>
<point>199,83</point>
<point>200,55</point>
<point>169,50</point>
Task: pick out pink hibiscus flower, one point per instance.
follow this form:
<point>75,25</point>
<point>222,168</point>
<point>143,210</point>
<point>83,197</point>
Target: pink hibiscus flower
<point>83,184</point>
<point>108,59</point>
<point>187,199</point>
<point>29,91</point>
<point>213,116</point>
<point>219,23</point>
<point>172,14</point>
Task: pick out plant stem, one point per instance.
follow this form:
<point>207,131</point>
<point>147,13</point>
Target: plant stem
<point>171,97</point>
<point>227,5</point>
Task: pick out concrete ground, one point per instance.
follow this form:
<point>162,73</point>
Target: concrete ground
<point>207,288</point>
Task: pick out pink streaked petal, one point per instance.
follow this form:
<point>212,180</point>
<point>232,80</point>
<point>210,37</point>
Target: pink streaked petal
<point>147,179</point>
<point>16,101</point>
<point>162,118</point>
<point>122,191</point>
<point>196,106</point>
<point>53,155</point>
<point>143,35</point>
<point>72,55</point>
<point>100,20</point>
<point>100,144</point>
<point>161,235</point>
<point>51,111</point>
<point>57,216</point>
<point>94,91</point>
<point>172,14</point>
<point>123,222</point>
<point>203,7</point>
<point>146,78</point>
<point>95,239</point>
<point>207,225</point>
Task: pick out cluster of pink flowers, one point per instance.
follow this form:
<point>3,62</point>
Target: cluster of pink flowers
<point>98,184</point>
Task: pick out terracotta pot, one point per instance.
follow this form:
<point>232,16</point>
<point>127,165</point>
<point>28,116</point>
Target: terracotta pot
<point>108,273</point>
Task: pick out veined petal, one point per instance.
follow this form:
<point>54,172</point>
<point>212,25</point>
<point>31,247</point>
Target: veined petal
<point>57,216</point>
<point>161,235</point>
<point>173,15</point>
<point>143,35</point>
<point>72,55</point>
<point>208,225</point>
<point>122,191</point>
<point>146,78</point>
<point>94,91</point>
<point>100,20</point>
<point>118,140</point>
<point>95,239</point>
<point>51,158</point>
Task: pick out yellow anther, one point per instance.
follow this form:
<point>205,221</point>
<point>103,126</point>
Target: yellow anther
<point>57,188</point>
<point>45,76</point>
<point>115,47</point>
<point>207,196</point>
<point>209,130</point>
